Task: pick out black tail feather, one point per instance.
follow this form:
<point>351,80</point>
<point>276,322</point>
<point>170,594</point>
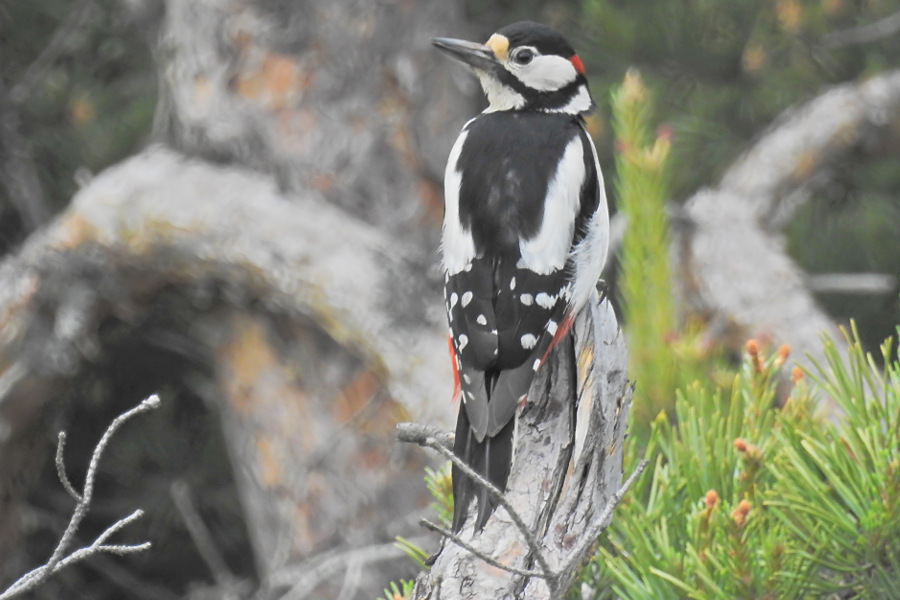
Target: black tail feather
<point>462,447</point>
<point>491,458</point>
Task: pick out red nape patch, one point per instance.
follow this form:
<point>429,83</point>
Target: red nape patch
<point>576,62</point>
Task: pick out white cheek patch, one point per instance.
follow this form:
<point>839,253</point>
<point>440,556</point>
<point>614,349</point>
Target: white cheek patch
<point>546,73</point>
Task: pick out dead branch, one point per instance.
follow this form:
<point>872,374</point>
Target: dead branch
<point>59,560</point>
<point>864,34</point>
<point>732,259</point>
<point>565,480</point>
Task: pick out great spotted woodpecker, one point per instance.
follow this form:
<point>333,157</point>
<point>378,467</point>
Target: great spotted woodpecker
<point>525,237</point>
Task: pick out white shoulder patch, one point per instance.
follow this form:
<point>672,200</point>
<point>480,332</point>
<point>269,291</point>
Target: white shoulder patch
<point>548,250</point>
<point>457,244</point>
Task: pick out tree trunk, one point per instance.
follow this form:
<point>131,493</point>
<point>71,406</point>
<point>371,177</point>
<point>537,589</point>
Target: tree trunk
<point>566,470</point>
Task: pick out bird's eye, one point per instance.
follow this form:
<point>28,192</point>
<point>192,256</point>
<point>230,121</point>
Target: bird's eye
<point>523,56</point>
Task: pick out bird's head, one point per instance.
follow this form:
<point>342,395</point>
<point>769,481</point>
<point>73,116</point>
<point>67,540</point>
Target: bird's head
<point>526,66</point>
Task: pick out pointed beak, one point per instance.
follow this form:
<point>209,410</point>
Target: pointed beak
<point>471,53</point>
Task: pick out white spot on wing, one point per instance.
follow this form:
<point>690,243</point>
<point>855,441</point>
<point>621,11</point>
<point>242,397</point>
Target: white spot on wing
<point>453,299</point>
<point>466,298</point>
<point>537,363</point>
<point>481,320</point>
<point>512,283</point>
<point>526,299</point>
<point>463,341</point>
<point>467,378</point>
<point>551,327</point>
<point>545,300</point>
<point>549,249</point>
<point>528,341</point>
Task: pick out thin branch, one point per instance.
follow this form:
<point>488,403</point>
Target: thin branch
<point>61,468</point>
<point>864,34</point>
<point>602,519</point>
<point>304,579</point>
<point>58,560</point>
<point>496,494</point>
<point>417,433</point>
<point>468,547</point>
<point>52,51</point>
<point>852,283</point>
<point>201,535</point>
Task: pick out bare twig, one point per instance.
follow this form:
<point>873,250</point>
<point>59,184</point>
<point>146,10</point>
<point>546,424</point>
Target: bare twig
<point>61,468</point>
<point>201,535</point>
<point>864,34</point>
<point>52,51</point>
<point>599,524</point>
<point>58,560</point>
<point>466,546</point>
<point>417,433</point>
<point>427,436</point>
<point>305,578</point>
<point>852,283</point>
<point>496,494</point>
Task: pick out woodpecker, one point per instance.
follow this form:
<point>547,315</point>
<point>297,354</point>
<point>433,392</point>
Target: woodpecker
<point>524,240</point>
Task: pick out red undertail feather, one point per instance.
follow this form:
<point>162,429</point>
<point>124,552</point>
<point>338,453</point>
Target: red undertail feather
<point>456,387</point>
<point>561,332</point>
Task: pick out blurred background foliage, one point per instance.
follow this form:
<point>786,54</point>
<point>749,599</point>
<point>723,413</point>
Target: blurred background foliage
<point>91,106</point>
<point>720,71</point>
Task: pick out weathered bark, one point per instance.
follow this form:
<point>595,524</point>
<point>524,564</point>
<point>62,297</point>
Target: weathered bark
<point>567,467</point>
<point>346,98</point>
<point>311,323</point>
<point>732,261</point>
<point>307,292</point>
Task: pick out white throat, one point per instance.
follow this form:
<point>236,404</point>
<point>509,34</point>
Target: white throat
<point>499,96</point>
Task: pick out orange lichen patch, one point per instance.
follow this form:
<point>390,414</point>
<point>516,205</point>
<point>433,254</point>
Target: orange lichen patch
<point>356,396</point>
<point>203,90</point>
<point>248,356</point>
<point>499,45</point>
<point>833,7</point>
<point>790,15</point>
<point>276,82</point>
<point>432,199</point>
<point>74,230</point>
<point>754,58</point>
<point>270,462</point>
<point>11,322</point>
<point>81,110</point>
<point>322,181</point>
<point>806,165</point>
